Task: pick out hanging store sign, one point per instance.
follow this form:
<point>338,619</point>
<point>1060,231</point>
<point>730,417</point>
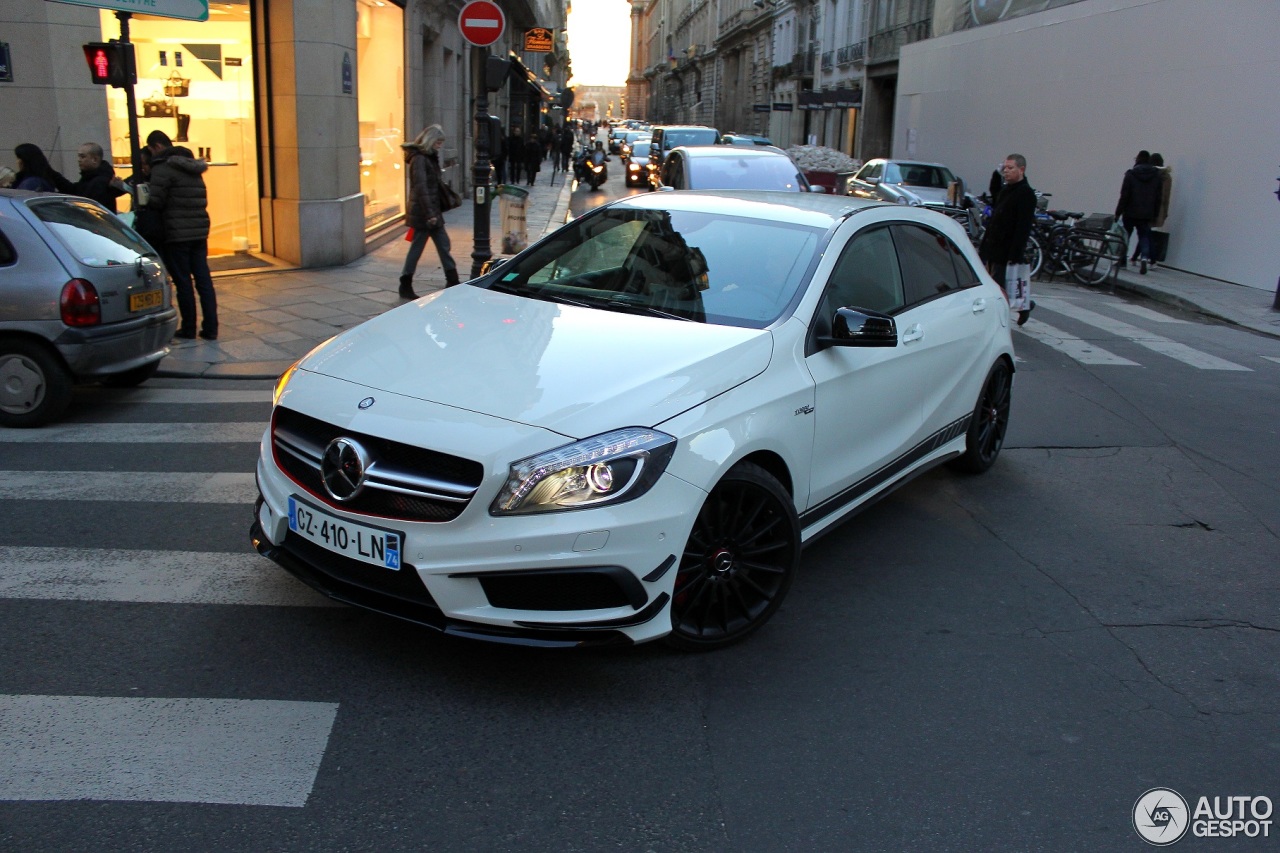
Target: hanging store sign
<point>187,10</point>
<point>539,40</point>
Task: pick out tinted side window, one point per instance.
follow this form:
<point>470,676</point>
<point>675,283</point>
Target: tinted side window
<point>927,268</point>
<point>7,255</point>
<point>866,276</point>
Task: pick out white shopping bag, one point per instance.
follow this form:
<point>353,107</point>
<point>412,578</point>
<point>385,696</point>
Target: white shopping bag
<point>1017,286</point>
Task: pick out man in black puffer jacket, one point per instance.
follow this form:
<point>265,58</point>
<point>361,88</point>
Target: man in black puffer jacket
<point>178,192</point>
<point>1008,230</point>
<point>1140,203</point>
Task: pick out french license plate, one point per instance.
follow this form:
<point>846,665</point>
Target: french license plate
<point>371,545</point>
<point>147,299</point>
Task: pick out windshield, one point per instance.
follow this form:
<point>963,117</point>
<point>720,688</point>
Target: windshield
<point>918,175</point>
<point>729,172</point>
<point>691,136</point>
<point>94,237</point>
<point>640,150</point>
<point>727,270</point>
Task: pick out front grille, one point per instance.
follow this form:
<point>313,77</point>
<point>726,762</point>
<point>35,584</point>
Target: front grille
<point>403,482</point>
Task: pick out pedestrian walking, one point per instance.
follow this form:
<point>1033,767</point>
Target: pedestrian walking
<point>1139,203</point>
<point>566,147</point>
<point>515,154</point>
<point>532,158</point>
<point>97,177</point>
<point>34,172</point>
<point>1160,238</point>
<point>497,150</point>
<point>1004,243</point>
<point>178,191</point>
<point>426,207</point>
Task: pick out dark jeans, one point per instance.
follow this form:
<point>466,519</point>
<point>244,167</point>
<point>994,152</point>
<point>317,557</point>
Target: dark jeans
<point>188,262</point>
<point>1144,236</point>
<point>420,235</point>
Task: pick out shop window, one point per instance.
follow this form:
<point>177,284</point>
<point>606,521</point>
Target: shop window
<point>380,95</point>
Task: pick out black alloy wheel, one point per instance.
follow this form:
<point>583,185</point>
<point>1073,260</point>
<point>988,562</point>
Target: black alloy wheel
<point>738,564</point>
<point>990,421</point>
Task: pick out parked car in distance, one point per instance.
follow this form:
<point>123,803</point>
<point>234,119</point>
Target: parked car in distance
<point>636,170</point>
<point>629,430</point>
<point>724,167</point>
<point>666,137</point>
<point>85,299</point>
<point>744,139</point>
<point>903,182</point>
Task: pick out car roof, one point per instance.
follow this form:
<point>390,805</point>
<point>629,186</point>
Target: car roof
<point>813,209</point>
<point>703,152</point>
<point>898,162</point>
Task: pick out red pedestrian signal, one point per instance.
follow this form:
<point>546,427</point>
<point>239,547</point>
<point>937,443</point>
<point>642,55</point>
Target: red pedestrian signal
<point>111,63</point>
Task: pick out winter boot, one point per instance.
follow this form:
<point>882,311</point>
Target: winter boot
<point>451,277</point>
<point>406,287</point>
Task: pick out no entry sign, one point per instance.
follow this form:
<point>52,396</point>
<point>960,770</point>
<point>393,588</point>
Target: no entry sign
<point>481,22</point>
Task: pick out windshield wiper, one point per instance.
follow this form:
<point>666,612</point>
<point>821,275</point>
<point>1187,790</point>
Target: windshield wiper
<point>640,308</point>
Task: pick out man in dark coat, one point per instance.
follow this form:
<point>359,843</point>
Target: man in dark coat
<point>178,192</point>
<point>1009,228</point>
<point>96,175</point>
<point>1140,203</point>
<point>515,154</point>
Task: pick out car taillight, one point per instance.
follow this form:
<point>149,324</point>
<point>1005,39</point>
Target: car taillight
<point>79,304</point>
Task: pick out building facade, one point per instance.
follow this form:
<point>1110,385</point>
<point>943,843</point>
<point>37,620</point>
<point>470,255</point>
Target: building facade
<point>299,106</point>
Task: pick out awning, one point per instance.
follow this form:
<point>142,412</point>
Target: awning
<point>519,72</point>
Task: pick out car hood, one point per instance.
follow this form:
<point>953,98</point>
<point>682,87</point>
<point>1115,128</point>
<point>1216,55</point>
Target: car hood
<point>577,371</point>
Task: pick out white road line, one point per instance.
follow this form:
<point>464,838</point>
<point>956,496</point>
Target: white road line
<point>1082,351</point>
<point>116,486</point>
<point>1272,358</point>
<point>181,396</point>
<point>150,577</point>
<point>1148,314</point>
<point>180,433</point>
<point>258,752</point>
<point>1141,337</point>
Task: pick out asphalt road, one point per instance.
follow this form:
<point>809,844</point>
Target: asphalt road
<point>1004,662</point>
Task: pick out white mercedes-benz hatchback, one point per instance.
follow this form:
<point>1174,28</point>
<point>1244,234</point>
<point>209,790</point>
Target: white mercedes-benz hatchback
<point>629,430</point>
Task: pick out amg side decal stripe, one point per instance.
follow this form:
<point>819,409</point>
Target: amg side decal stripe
<point>878,478</point>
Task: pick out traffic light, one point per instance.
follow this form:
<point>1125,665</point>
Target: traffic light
<point>111,63</point>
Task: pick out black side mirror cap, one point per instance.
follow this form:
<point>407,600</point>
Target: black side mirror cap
<point>860,327</point>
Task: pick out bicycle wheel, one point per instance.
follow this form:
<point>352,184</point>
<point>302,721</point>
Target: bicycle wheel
<point>1055,252</point>
<point>1034,255</point>
<point>1091,256</point>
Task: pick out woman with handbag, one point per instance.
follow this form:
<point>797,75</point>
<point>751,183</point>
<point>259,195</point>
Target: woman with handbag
<point>429,198</point>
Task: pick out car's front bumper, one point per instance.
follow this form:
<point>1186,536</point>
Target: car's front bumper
<point>589,577</point>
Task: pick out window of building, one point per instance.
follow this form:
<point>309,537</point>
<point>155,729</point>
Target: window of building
<point>380,96</point>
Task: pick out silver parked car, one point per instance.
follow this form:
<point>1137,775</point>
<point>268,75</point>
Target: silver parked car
<point>731,167</point>
<point>83,298</point>
<point>903,182</point>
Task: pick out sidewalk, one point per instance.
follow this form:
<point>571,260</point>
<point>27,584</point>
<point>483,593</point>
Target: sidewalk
<point>268,320</point>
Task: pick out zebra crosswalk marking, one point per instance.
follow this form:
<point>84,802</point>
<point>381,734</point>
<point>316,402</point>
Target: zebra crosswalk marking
<point>118,486</point>
<point>179,396</point>
<point>1141,337</point>
<point>1276,359</point>
<point>259,752</point>
<point>150,577</point>
<point>123,433</point>
<point>1148,314</point>
<point>1080,350</point>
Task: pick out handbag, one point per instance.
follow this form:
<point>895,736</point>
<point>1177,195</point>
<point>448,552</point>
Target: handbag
<point>449,198</point>
<point>157,107</point>
<point>176,86</point>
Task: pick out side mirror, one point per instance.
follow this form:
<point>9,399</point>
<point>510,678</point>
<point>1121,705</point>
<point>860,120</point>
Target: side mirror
<point>492,264</point>
<point>860,327</point>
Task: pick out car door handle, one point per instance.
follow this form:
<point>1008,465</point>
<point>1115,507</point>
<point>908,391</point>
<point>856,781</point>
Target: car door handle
<point>915,333</point>
<point>979,305</point>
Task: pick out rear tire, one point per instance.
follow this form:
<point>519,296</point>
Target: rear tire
<point>738,564</point>
<point>990,421</point>
<point>35,387</point>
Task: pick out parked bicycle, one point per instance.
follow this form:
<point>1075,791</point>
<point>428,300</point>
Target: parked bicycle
<point>1088,248</point>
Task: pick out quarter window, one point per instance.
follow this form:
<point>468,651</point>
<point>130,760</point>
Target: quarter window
<point>7,255</point>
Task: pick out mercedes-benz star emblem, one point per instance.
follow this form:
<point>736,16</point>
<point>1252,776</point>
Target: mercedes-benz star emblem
<point>343,468</point>
<point>365,403</point>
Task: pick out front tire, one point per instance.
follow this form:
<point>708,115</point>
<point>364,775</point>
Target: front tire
<point>35,387</point>
<point>738,564</point>
<point>990,421</point>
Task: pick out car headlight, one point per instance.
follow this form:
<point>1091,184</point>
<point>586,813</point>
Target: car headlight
<point>610,468</point>
<point>283,381</point>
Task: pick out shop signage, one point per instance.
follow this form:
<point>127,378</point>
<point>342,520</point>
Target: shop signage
<point>539,40</point>
<point>481,22</point>
<point>187,10</point>
<point>760,108</point>
<point>6,63</point>
<point>347,75</point>
<point>781,106</point>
